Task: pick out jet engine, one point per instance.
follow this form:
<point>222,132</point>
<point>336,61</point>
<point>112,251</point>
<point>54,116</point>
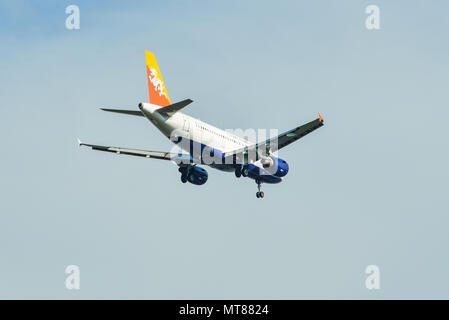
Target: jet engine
<point>193,174</point>
<point>275,166</point>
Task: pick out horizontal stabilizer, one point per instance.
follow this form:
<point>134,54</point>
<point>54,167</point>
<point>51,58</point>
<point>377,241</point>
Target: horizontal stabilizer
<point>130,112</point>
<point>175,107</point>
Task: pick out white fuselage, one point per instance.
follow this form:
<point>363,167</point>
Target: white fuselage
<point>182,125</point>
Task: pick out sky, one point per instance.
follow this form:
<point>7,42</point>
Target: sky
<point>368,188</point>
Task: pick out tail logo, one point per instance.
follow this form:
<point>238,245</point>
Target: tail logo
<point>157,83</point>
<point>156,87</point>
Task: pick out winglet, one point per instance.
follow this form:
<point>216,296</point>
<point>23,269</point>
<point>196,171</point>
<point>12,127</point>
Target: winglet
<point>79,142</point>
<point>320,118</point>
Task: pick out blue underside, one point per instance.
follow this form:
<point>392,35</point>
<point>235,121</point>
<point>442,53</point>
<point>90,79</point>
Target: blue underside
<point>197,149</point>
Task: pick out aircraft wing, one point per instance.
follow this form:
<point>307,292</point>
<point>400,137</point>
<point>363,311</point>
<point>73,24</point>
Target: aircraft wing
<point>292,135</point>
<point>281,140</point>
<point>179,158</point>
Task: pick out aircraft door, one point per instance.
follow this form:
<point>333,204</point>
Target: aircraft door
<point>186,124</point>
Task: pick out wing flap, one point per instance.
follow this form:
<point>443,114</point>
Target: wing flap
<point>133,152</point>
<point>292,135</point>
<point>281,140</point>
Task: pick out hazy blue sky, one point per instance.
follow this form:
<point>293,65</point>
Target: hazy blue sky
<point>370,187</point>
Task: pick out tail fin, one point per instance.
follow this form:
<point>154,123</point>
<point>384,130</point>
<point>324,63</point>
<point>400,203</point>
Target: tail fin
<point>156,87</point>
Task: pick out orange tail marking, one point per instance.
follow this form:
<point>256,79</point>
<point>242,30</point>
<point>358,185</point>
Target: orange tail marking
<point>156,86</point>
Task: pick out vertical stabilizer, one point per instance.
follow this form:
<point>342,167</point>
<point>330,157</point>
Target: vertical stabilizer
<point>156,86</point>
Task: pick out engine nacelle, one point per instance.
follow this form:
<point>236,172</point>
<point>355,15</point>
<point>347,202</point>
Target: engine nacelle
<point>197,176</point>
<point>275,166</point>
<point>259,174</point>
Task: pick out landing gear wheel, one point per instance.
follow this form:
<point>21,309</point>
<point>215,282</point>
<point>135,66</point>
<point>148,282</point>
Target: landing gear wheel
<point>259,194</point>
<point>184,174</point>
<point>238,172</point>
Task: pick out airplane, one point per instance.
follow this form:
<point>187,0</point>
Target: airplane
<point>204,144</point>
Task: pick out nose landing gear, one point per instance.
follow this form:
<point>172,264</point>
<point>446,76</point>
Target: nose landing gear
<point>259,194</point>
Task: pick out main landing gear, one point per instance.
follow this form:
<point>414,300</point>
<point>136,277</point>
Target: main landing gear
<point>259,194</point>
<point>238,172</point>
<point>241,171</point>
<point>184,174</point>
